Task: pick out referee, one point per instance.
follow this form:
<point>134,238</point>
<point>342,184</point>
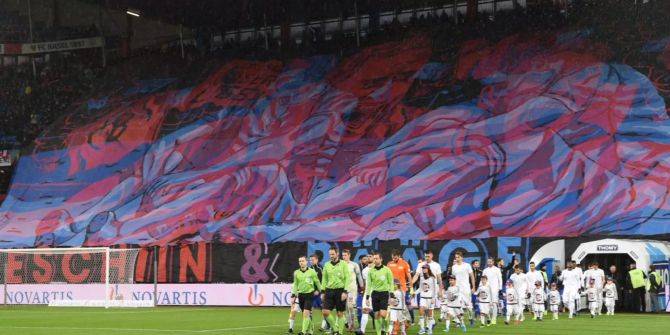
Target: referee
<point>306,285</point>
<point>335,277</point>
<point>381,285</point>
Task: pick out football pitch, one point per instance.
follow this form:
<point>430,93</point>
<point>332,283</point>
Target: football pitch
<point>212,320</point>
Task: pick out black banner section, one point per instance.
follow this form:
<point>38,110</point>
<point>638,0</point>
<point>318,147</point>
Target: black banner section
<point>275,263</point>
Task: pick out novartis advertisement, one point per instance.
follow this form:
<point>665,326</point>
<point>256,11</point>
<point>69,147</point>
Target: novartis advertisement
<point>168,294</point>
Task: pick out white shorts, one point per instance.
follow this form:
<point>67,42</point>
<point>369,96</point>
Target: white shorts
<point>397,315</point>
<point>427,303</point>
<point>351,300</point>
<point>593,304</point>
<point>366,304</point>
<point>538,307</point>
<point>485,307</point>
<point>609,302</point>
<point>553,308</point>
<point>514,309</point>
<point>453,311</point>
<point>494,297</point>
<point>466,296</point>
<point>570,294</point>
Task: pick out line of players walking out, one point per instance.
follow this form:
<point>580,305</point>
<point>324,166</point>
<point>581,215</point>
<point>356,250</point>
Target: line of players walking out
<point>388,294</point>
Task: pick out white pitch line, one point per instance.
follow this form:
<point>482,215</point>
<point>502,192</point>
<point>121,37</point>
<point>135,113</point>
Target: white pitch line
<point>141,330</point>
<point>99,329</point>
<point>238,328</point>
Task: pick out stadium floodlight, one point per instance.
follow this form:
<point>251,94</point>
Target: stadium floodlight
<point>133,12</point>
<point>87,277</point>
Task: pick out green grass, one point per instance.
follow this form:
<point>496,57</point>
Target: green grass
<point>211,320</point>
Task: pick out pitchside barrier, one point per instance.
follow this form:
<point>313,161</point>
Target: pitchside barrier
<point>142,295</point>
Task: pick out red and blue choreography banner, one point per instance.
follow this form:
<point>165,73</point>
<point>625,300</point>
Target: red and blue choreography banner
<point>529,136</point>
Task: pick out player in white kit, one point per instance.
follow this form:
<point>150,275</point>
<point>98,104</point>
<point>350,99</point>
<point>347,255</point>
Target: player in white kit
<point>521,287</point>
<point>597,274</point>
<point>611,296</point>
<point>465,279</point>
<point>454,304</point>
<point>397,308</point>
<point>436,269</point>
<point>512,299</point>
<point>578,301</point>
<point>538,297</point>
<point>355,280</point>
<point>429,292</point>
<point>592,298</point>
<point>554,300</point>
<point>366,305</point>
<point>484,297</point>
<point>532,276</point>
<point>571,285</point>
<point>494,276</point>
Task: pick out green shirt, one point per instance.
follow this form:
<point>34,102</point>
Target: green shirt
<point>305,281</point>
<point>335,275</point>
<point>380,280</point>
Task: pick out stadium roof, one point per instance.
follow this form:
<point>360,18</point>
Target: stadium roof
<point>230,14</point>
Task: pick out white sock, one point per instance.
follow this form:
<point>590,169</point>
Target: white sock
<point>494,312</point>
<point>323,323</point>
<point>483,319</point>
<point>291,323</point>
<point>364,321</point>
<point>422,322</point>
<point>448,322</point>
<point>431,322</point>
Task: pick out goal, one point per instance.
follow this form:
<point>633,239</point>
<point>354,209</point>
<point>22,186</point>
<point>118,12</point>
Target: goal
<point>96,277</point>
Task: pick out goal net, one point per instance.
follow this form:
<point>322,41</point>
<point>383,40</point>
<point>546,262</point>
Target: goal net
<point>97,277</point>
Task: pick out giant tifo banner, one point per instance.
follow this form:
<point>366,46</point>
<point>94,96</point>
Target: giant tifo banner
<point>545,135</point>
<point>166,295</point>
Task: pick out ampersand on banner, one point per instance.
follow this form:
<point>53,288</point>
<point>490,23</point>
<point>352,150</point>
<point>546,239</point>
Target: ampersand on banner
<point>253,271</point>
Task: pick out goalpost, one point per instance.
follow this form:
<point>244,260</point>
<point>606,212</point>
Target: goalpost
<point>92,277</point>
